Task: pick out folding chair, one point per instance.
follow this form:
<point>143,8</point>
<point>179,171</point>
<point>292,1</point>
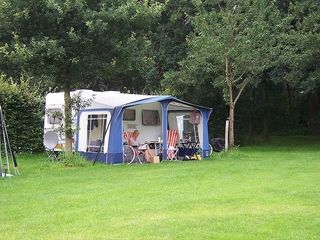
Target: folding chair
<point>50,141</point>
<point>126,137</point>
<point>172,141</point>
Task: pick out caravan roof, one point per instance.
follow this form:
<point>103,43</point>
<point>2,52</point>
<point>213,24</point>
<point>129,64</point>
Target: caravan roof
<point>111,99</point>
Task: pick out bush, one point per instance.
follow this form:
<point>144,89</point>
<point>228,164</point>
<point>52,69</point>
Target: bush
<point>72,160</point>
<point>22,107</point>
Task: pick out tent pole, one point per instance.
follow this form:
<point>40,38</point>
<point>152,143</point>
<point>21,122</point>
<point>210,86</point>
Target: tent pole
<point>6,165</point>
<point>13,156</point>
<point>8,146</point>
<point>103,137</point>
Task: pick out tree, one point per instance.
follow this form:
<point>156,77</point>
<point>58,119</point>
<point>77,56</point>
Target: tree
<point>169,45</point>
<point>233,43</point>
<point>304,34</point>
<point>303,21</point>
<point>79,43</point>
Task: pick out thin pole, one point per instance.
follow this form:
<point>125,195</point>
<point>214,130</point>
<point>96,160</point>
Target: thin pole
<point>13,156</point>
<point>226,136</point>
<point>103,137</point>
<point>7,166</point>
<point>8,147</point>
<point>0,149</point>
<point>195,134</point>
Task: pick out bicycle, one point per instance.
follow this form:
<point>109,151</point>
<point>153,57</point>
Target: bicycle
<point>130,154</point>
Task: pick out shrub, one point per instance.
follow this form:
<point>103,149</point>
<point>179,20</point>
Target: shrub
<point>23,110</point>
<point>72,160</point>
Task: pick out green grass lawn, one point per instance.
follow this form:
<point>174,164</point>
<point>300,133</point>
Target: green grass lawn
<point>268,191</point>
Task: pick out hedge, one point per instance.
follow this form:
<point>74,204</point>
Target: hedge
<point>23,111</point>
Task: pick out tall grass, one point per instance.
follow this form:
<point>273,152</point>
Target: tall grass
<point>266,191</point>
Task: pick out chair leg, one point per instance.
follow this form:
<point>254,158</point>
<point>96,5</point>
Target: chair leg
<point>139,157</point>
<point>173,155</point>
<point>51,155</point>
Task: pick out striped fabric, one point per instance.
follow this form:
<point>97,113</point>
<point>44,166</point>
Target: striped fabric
<point>172,140</point>
<point>127,136</point>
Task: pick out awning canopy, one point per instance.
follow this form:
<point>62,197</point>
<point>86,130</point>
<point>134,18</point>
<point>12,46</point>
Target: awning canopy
<point>113,99</point>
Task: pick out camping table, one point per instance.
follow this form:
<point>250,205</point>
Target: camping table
<point>189,149</point>
<point>157,145</point>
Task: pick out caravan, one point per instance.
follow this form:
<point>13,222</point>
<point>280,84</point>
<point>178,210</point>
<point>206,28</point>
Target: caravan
<point>100,126</point>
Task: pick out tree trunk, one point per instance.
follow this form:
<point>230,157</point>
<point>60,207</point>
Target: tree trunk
<point>231,125</point>
<point>67,119</point>
<point>265,131</point>
<point>251,132</point>
<point>231,102</point>
<point>313,112</point>
<point>289,99</point>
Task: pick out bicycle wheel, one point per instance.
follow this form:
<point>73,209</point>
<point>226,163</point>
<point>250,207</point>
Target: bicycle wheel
<point>211,149</point>
<point>129,154</point>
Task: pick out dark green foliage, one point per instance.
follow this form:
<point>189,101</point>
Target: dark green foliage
<point>73,160</point>
<point>305,19</point>
<point>271,109</point>
<point>169,43</point>
<point>276,44</point>
<point>23,111</point>
<point>77,43</point>
<point>178,48</point>
<point>232,44</point>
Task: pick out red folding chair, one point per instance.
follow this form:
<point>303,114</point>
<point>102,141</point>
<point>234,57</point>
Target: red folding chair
<point>127,136</point>
<point>172,141</point>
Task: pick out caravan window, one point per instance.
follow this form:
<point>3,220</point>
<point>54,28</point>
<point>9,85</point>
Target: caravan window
<point>188,130</point>
<point>150,118</point>
<point>95,129</point>
<point>129,115</point>
<point>54,116</point>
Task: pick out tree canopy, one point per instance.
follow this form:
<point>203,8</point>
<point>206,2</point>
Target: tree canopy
<point>261,56</point>
<point>78,43</point>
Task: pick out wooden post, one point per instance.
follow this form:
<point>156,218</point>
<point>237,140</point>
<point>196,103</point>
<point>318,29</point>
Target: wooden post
<point>226,136</point>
